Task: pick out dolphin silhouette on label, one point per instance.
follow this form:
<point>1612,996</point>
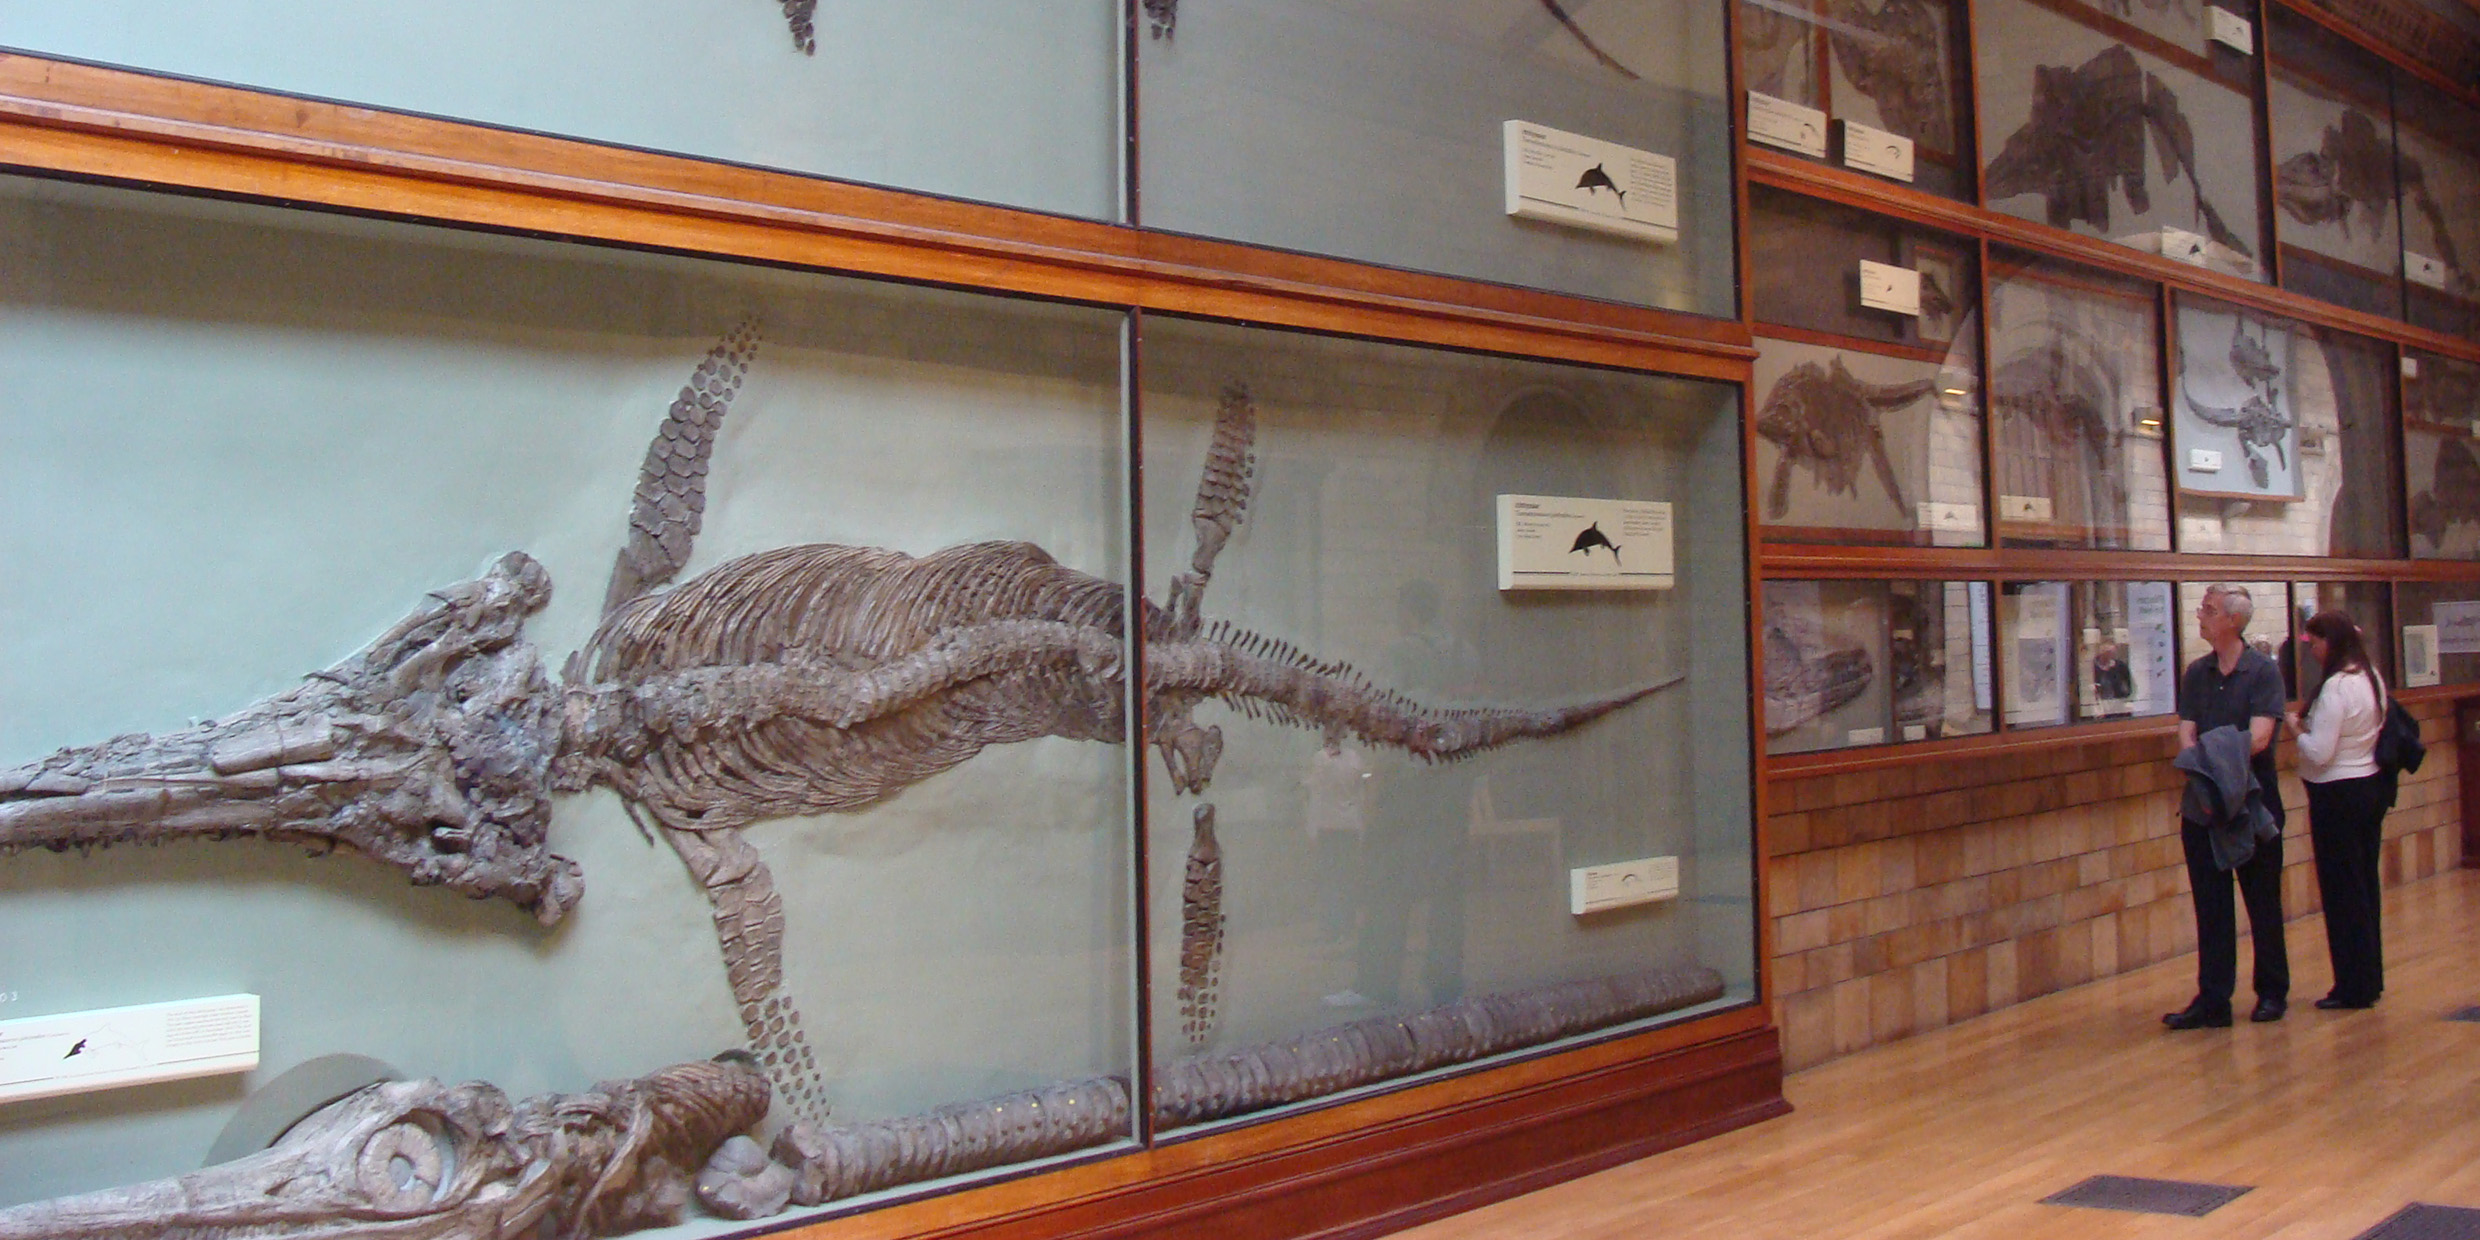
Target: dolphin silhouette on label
<point>1594,537</point>
<point>1596,177</point>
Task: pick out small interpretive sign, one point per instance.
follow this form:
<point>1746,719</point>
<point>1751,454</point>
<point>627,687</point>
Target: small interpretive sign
<point>1551,542</point>
<point>1566,178</point>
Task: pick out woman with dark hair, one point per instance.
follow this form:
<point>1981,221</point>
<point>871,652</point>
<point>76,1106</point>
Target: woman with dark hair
<point>2347,798</point>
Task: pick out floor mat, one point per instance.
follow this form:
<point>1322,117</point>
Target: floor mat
<point>2124,1192</point>
<point>2420,1222</point>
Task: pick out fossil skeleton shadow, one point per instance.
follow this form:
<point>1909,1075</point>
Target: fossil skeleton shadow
<point>801,680</point>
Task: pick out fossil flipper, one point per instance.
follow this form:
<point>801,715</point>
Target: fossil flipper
<point>1609,61</point>
<point>802,16</point>
<point>670,504</point>
<point>1164,17</point>
<point>1201,932</point>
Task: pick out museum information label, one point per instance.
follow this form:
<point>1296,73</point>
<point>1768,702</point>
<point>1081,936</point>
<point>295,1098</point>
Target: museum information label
<point>1884,286</point>
<point>76,1052</point>
<point>1787,125</point>
<point>1582,182</point>
<point>1871,149</point>
<point>1551,542</point>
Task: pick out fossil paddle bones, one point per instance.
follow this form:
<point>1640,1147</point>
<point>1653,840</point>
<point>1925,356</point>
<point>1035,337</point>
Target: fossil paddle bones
<point>421,1160</point>
<point>802,680</point>
<point>1827,419</point>
<point>2086,134</point>
<point>2262,422</point>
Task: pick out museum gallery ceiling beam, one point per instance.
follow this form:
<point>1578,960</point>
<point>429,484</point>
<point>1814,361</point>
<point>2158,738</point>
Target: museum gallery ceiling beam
<point>1870,193</point>
<point>117,125</point>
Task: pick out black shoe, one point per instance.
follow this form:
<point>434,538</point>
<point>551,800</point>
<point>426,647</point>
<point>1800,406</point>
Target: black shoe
<point>2197,1016</point>
<point>2268,1011</point>
<point>2332,1003</point>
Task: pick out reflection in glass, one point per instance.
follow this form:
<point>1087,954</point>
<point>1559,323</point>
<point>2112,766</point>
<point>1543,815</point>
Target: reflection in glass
<point>1888,64</point>
<point>2283,436</point>
<point>2369,604</point>
<point>2439,140</point>
<point>2081,132</point>
<point>248,441</point>
<point>1374,131</point>
<point>2033,638</point>
<point>1806,255</point>
<point>2077,393</point>
<point>2338,214</point>
<point>2268,628</point>
<point>1370,541</point>
<point>2441,454</point>
<point>1937,650</point>
<point>2125,660</point>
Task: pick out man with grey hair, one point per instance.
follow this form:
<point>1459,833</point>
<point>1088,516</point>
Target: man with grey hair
<point>2237,686</point>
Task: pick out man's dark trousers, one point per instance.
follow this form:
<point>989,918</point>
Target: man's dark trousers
<point>2217,920</point>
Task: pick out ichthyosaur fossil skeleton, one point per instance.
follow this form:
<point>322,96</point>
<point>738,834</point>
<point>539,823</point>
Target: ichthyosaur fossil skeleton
<point>800,680</point>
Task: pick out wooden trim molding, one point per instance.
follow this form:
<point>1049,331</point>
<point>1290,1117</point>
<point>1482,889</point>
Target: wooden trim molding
<point>1855,189</point>
<point>109,124</point>
<point>1781,560</point>
<point>1347,1172</point>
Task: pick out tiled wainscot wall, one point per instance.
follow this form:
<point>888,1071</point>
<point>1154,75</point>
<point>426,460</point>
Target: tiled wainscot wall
<point>1911,896</point>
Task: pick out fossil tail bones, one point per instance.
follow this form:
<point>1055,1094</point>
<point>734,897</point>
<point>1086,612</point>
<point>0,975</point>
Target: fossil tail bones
<point>421,1160</point>
<point>802,680</point>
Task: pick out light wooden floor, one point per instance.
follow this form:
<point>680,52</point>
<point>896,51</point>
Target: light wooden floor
<point>2336,1118</point>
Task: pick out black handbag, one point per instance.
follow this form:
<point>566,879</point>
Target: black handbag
<point>2398,741</point>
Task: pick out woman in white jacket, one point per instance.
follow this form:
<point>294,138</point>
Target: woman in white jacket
<point>2347,799</point>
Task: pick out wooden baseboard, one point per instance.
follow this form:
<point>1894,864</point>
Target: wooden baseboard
<point>1391,1175</point>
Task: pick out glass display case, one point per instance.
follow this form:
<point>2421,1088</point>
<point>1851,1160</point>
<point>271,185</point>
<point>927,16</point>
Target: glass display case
<point>2075,386</point>
<point>1889,67</point>
<point>2283,436</point>
<point>1489,622</point>
<point>2091,123</point>
<point>858,535</point>
<point>1868,418</point>
<point>2338,206</point>
<point>1869,662</point>
<point>1394,133</point>
<point>2441,454</point>
<point>1008,101</point>
<point>2078,651</point>
<point>2438,161</point>
<point>2437,633</point>
<point>2369,604</point>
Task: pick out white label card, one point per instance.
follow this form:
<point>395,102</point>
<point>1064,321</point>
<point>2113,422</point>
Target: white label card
<point>2231,30</point>
<point>1887,287</point>
<point>1787,125</point>
<point>1871,149</point>
<point>2411,367</point>
<point>2421,269</point>
<point>1941,515</point>
<point>2203,461</point>
<point>2457,626</point>
<point>76,1052</point>
<point>2200,533</point>
<point>2023,508</point>
<point>1865,736</point>
<point>2184,246</point>
<point>1566,178</point>
<point>2419,656</point>
<point>1552,542</point>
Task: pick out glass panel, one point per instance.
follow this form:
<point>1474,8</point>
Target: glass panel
<point>1377,131</point>
<point>2125,664</point>
<point>2034,628</point>
<point>2441,454</point>
<point>2091,124</point>
<point>2438,624</point>
<point>1010,101</point>
<point>2076,386</point>
<point>1826,640</point>
<point>1825,650</point>
<point>1858,446</point>
<point>2332,116</point>
<point>2268,629</point>
<point>2282,435</point>
<point>1895,65</point>
<point>247,442</point>
<point>2439,140</point>
<point>2369,604</point>
<point>1365,887</point>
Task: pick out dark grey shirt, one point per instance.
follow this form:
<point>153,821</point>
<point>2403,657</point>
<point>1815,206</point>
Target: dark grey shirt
<point>2252,690</point>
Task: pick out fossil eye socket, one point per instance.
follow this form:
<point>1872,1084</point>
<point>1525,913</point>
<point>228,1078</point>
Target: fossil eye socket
<point>405,1166</point>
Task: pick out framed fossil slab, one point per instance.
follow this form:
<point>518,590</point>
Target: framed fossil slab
<point>2082,130</point>
<point>1386,845</point>
<point>2337,201</point>
<point>2078,406</point>
<point>1827,680</point>
<point>1861,446</point>
<point>2235,417</point>
<point>1891,65</point>
<point>2441,455</point>
<point>2438,137</point>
